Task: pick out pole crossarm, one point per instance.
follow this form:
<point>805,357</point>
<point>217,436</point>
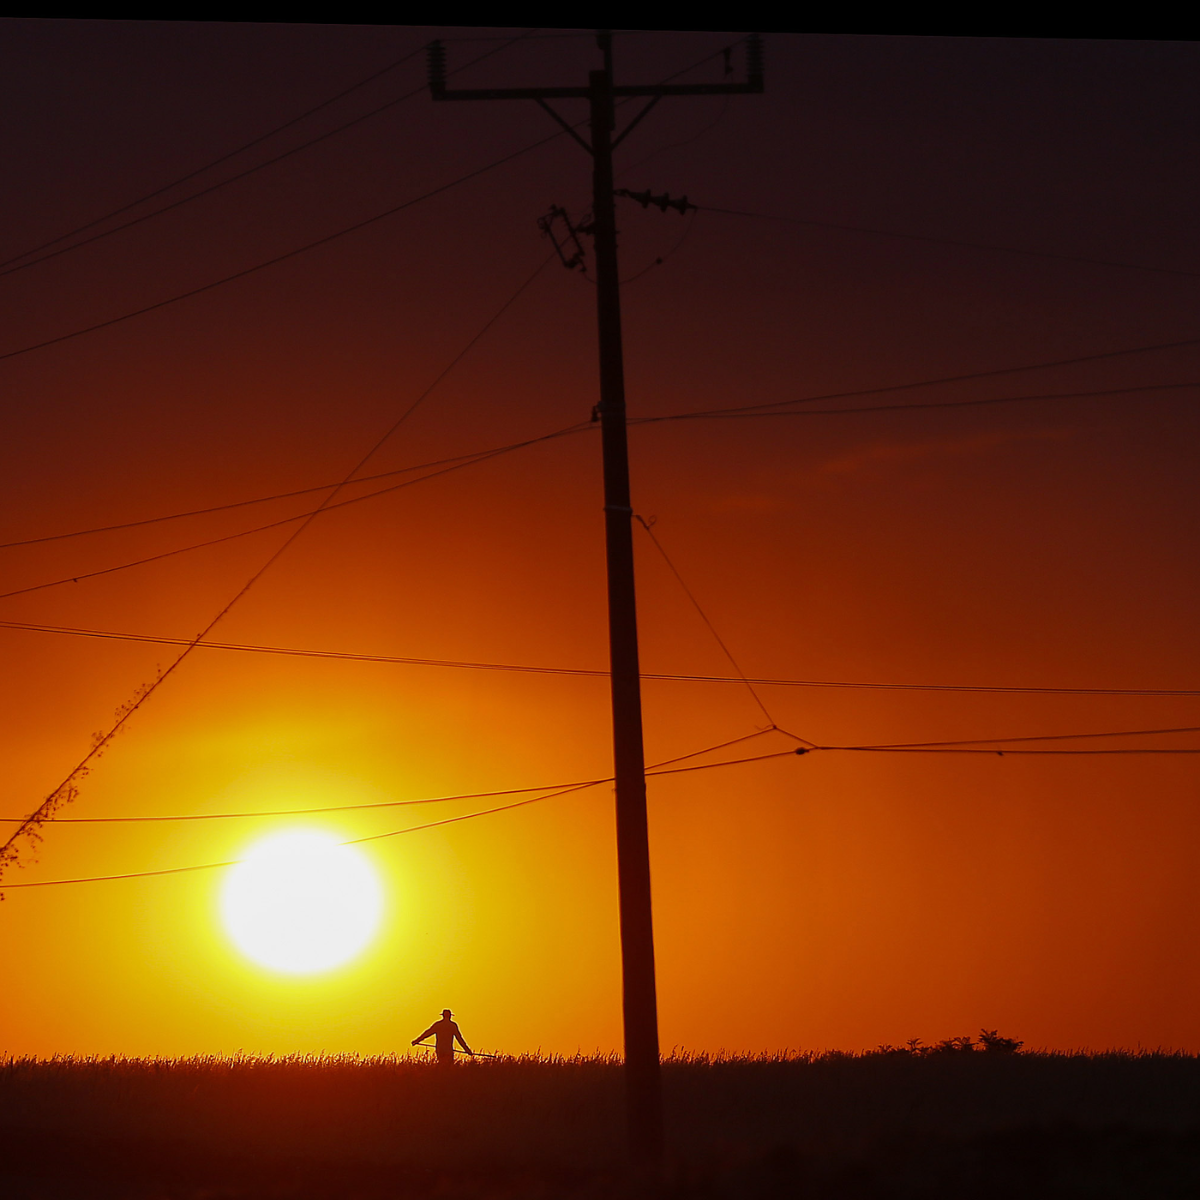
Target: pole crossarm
<point>752,84</point>
<point>539,93</point>
<point>578,93</point>
<point>565,124</point>
<point>635,122</point>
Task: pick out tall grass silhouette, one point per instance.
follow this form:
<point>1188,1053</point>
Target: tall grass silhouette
<point>954,1118</point>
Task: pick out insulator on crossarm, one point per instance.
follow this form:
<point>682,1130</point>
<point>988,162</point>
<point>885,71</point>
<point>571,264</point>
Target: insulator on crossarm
<point>435,57</point>
<point>754,61</point>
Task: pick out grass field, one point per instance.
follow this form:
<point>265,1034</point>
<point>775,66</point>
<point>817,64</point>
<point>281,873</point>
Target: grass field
<point>892,1124</point>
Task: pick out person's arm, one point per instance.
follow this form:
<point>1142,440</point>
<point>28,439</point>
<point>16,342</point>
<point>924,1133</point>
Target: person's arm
<point>463,1044</point>
<point>422,1036</point>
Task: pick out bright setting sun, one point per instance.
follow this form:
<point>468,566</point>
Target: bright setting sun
<point>301,902</point>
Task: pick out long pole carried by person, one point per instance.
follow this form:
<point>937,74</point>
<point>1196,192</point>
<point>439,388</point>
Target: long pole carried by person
<point>470,1053</point>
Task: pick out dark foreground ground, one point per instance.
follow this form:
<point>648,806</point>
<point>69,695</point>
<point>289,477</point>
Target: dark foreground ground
<point>969,1125</point>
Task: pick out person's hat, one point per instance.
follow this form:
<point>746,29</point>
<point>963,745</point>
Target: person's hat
<point>447,1013</point>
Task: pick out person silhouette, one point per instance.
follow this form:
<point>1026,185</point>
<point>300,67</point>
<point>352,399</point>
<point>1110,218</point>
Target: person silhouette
<point>445,1033</point>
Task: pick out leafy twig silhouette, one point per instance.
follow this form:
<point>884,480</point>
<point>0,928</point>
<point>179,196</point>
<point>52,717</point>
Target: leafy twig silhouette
<point>30,830</point>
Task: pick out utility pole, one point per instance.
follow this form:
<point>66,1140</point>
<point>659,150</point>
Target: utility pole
<point>640,1007</point>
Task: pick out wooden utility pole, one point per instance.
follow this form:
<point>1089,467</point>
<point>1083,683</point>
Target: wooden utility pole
<point>642,1067</point>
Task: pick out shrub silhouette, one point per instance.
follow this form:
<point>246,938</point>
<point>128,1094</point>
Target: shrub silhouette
<point>990,1042</point>
<point>954,1045</point>
<point>993,1043</point>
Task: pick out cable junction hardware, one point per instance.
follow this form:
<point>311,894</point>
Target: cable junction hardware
<point>681,205</point>
<point>570,249</point>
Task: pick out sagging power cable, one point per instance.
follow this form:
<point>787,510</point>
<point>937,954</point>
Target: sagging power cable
<point>279,258</point>
<point>1039,737</point>
<point>734,415</point>
<point>1003,747</point>
<point>310,812</point>
<point>466,459</point>
<point>585,427</point>
<point>648,527</point>
<point>597,673</point>
<point>995,372</point>
<point>271,262</point>
<point>947,241</point>
<point>409,829</point>
<point>1001,753</point>
<point>67,790</point>
<point>13,265</point>
<point>321,510</point>
<point>557,788</point>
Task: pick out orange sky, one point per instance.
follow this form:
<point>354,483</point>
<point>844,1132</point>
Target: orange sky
<point>835,900</point>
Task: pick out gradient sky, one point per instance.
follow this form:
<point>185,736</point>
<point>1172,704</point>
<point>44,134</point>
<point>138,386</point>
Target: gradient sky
<point>834,900</point>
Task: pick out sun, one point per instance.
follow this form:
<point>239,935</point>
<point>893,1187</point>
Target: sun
<point>300,902</point>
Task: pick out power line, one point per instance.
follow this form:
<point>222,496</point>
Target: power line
<point>456,465</point>
<point>276,496</point>
<point>660,259</point>
<point>310,245</point>
<point>803,750</point>
<point>737,741</point>
<point>1001,746</point>
<point>695,137</point>
<point>535,37</point>
<point>876,408</point>
<point>687,591</point>
<point>66,791</point>
<point>310,812</point>
<point>1042,737</point>
<point>216,508</point>
<point>10,269</point>
<point>664,768</point>
<point>541,36</point>
<point>596,673</point>
<point>583,427</point>
<point>707,58</point>
<point>271,262</point>
<point>995,753</point>
<point>229,537</point>
<point>557,788</point>
<point>487,812</point>
<point>1046,364</point>
<point>1003,689</point>
<point>267,136</point>
<point>208,166</point>
<point>410,829</point>
<point>945,241</point>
